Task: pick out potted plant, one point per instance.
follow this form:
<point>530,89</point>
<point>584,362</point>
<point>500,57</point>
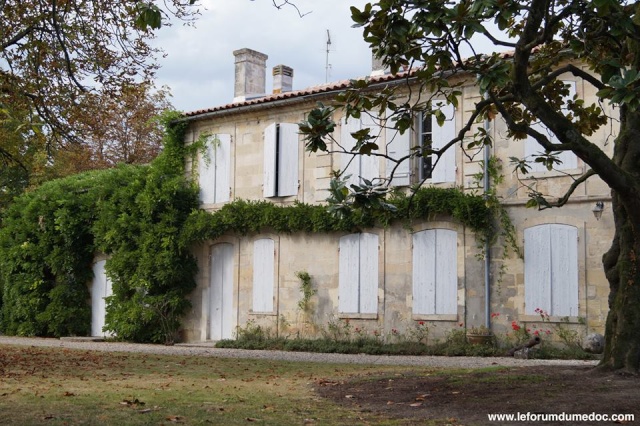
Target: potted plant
<point>479,335</point>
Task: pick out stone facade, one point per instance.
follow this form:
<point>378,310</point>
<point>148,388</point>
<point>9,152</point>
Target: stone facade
<point>319,255</point>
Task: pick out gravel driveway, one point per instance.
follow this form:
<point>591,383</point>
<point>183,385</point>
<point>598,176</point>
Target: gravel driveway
<point>207,349</point>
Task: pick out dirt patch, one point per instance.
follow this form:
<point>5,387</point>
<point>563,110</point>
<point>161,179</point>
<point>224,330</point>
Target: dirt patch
<point>466,398</point>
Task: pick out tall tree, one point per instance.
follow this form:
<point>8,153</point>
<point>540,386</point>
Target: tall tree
<point>55,55</point>
<point>123,130</point>
<point>437,38</point>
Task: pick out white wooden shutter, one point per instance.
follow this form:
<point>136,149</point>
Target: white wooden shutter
<point>98,292</point>
<point>269,181</point>
<point>537,252</point>
<point>398,146</point>
<point>368,273</point>
<point>424,276</point>
<point>349,274</point>
<point>532,147</point>
<point>445,169</point>
<point>551,269</point>
<point>221,292</point>
<point>207,173</point>
<point>446,271</point>
<point>263,275</point>
<point>288,160</point>
<point>568,158</point>
<point>435,272</point>
<point>564,270</point>
<point>349,164</point>
<point>222,168</point>
<point>370,164</point>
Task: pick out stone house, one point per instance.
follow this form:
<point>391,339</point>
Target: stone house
<point>385,280</point>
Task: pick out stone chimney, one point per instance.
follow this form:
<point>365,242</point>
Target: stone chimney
<point>251,73</point>
<point>282,79</point>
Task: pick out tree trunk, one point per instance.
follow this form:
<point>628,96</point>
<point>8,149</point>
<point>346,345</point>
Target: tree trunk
<point>622,332</point>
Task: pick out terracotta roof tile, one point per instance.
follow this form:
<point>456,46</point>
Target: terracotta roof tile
<point>313,90</point>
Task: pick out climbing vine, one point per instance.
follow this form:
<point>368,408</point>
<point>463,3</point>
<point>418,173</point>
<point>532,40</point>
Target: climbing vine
<point>245,217</point>
<point>134,215</point>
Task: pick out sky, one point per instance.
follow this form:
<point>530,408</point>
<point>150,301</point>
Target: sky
<point>199,62</point>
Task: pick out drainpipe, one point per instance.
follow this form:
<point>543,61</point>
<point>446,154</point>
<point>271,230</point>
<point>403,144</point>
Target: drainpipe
<point>487,253</point>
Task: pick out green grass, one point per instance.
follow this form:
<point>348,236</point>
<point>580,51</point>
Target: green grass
<point>52,386</point>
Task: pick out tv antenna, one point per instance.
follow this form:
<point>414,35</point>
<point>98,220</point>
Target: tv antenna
<point>327,64</point>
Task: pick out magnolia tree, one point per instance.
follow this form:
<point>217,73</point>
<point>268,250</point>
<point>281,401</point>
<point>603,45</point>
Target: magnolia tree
<point>437,39</point>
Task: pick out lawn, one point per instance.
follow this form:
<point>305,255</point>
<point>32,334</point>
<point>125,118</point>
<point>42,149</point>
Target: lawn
<point>59,386</point>
<point>55,386</point>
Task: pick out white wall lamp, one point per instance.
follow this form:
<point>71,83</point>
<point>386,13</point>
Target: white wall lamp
<point>597,209</point>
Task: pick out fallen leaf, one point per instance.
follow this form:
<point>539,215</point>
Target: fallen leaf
<point>69,394</point>
<point>175,419</point>
<point>349,396</point>
<point>251,419</point>
<point>415,404</point>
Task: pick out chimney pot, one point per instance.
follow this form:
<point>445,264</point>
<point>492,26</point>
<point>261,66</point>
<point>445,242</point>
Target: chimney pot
<point>282,79</point>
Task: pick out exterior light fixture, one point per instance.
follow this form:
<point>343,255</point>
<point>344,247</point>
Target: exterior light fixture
<point>597,209</point>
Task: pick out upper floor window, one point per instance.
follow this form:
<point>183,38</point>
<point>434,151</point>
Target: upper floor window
<point>358,166</point>
<point>533,148</point>
<point>551,269</point>
<point>427,134</point>
<point>214,170</point>
<point>281,160</point>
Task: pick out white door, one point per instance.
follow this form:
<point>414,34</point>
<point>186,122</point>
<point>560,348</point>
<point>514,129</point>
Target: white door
<point>100,288</point>
<point>221,292</point>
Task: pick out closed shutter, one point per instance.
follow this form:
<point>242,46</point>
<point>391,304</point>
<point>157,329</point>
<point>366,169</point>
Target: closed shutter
<point>221,292</point>
<point>222,168</point>
<point>551,269</point>
<point>349,274</point>
<point>537,271</point>
<point>368,273</point>
<point>564,270</point>
<point>98,292</point>
<point>435,272</point>
<point>424,272</point>
<point>263,275</point>
<point>398,146</point>
<point>269,146</point>
<point>445,169</point>
<point>288,160</point>
<point>446,271</point>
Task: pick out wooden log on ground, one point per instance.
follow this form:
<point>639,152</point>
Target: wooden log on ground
<point>535,340</point>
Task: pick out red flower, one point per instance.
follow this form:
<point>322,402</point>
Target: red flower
<point>421,323</point>
<point>495,314</point>
<point>515,326</point>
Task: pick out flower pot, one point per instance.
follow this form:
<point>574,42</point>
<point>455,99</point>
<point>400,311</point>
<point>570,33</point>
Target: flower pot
<point>480,339</point>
